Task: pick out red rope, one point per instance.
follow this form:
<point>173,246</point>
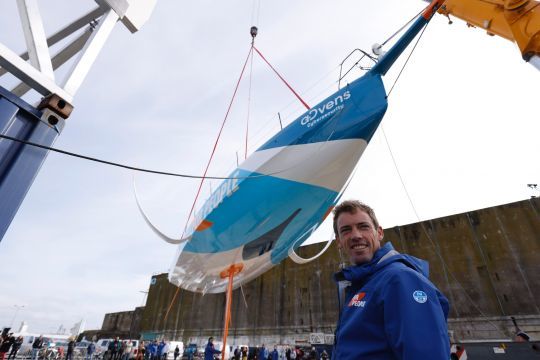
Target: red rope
<point>282,79</point>
<point>216,143</point>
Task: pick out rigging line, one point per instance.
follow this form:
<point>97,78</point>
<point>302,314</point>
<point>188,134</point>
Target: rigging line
<point>171,304</point>
<point>282,79</point>
<point>253,11</point>
<point>435,249</point>
<point>217,140</point>
<point>404,26</point>
<point>255,18</point>
<point>249,100</point>
<point>407,61</point>
<point>126,166</point>
<point>399,174</point>
<point>258,10</point>
<point>243,296</point>
<point>267,123</point>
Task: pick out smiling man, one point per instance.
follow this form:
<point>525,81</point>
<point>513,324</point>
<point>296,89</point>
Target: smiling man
<point>388,307</point>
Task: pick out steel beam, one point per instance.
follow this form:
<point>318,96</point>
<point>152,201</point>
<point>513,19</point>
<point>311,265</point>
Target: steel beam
<point>34,34</point>
<point>20,163</point>
<point>90,52</point>
<point>30,75</point>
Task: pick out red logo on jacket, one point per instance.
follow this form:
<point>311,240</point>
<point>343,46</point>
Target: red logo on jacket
<point>357,300</point>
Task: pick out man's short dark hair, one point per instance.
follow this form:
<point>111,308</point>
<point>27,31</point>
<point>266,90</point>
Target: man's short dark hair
<point>351,207</point>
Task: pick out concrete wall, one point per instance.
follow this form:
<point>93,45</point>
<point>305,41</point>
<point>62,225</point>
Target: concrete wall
<point>125,324</point>
<point>487,262</point>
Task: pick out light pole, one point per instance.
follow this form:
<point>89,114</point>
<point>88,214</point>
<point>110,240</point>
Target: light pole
<point>17,308</point>
<point>533,187</point>
<point>144,297</point>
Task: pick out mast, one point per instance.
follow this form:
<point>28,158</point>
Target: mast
<point>388,59</point>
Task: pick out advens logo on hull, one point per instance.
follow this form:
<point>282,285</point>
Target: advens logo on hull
<point>325,110</point>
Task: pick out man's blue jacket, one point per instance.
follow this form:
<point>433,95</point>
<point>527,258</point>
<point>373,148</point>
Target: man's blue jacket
<point>209,351</point>
<point>390,310</point>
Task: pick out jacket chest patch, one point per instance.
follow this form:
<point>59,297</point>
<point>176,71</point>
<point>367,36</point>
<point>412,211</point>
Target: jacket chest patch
<point>357,300</point>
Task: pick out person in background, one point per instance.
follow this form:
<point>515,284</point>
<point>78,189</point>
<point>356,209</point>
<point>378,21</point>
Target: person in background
<point>209,350</point>
<point>288,353</point>
<point>36,346</point>
<point>90,350</point>
<point>324,355</point>
<point>7,341</point>
<point>159,351</point>
<point>164,350</point>
<point>128,350</point>
<point>70,349</point>
<point>121,350</point>
<point>111,350</point>
<point>274,354</point>
<point>263,353</point>
<point>153,350</point>
<point>521,336</point>
<point>313,354</point>
<point>293,354</point>
<point>15,347</point>
<point>176,352</point>
<point>140,351</point>
<point>190,352</point>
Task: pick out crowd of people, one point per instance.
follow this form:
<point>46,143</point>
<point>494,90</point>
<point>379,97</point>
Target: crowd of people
<point>288,353</point>
<point>10,345</point>
<point>117,349</point>
<point>262,353</point>
<point>151,350</point>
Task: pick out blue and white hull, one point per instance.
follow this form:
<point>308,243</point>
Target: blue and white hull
<point>254,222</point>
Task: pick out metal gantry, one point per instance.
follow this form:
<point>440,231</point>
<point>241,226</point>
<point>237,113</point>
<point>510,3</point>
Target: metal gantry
<point>35,68</point>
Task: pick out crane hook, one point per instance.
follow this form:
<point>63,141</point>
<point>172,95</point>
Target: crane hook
<point>253,31</point>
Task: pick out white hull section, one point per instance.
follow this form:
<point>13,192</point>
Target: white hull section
<point>327,164</point>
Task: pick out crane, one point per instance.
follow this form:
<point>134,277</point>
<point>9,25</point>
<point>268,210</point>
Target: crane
<point>22,122</point>
<point>514,20</point>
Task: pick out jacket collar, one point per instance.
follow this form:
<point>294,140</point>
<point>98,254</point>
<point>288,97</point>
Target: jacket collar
<point>382,257</point>
<point>359,272</point>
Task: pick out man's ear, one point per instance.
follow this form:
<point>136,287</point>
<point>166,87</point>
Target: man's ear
<point>380,233</point>
<point>338,242</point>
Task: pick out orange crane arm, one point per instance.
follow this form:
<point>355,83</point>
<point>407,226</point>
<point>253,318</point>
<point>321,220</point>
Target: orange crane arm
<point>515,20</point>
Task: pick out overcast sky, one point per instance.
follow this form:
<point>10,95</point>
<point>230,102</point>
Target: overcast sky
<point>462,125</point>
